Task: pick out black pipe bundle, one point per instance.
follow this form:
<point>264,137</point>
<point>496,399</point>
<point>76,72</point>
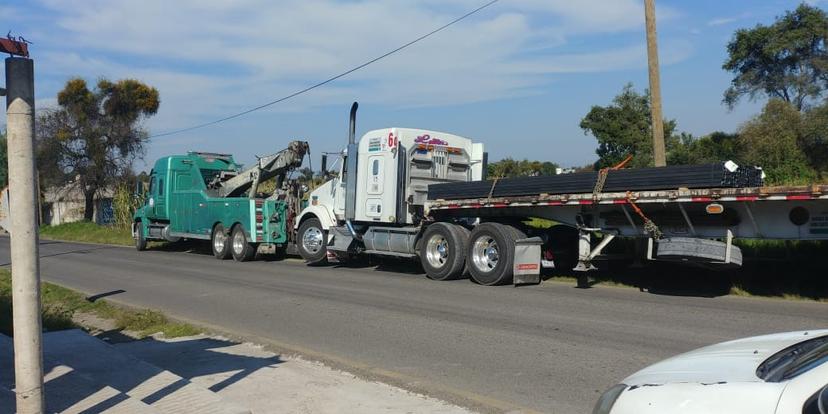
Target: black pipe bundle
<point>718,175</point>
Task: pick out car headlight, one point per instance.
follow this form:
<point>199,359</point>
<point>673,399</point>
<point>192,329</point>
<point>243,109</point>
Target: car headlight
<point>607,400</point>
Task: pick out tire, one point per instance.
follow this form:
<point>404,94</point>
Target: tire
<point>312,240</point>
<point>443,251</point>
<point>241,249</point>
<point>140,240</point>
<point>490,253</point>
<point>220,242</point>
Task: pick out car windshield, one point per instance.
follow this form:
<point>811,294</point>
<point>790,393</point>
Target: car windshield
<point>794,360</point>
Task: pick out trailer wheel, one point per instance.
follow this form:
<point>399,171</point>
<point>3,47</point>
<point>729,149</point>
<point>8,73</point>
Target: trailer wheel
<point>312,241</point>
<point>220,242</point>
<point>242,250</point>
<point>140,239</point>
<point>491,253</point>
<point>443,252</point>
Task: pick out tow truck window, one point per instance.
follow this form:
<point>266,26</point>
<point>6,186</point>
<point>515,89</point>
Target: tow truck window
<point>152,185</point>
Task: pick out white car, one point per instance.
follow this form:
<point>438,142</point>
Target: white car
<point>771,374</point>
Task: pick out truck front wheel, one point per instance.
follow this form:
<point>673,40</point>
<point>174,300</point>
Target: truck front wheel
<point>312,242</point>
<point>242,250</point>
<point>491,252</point>
<point>140,239</point>
<point>443,251</point>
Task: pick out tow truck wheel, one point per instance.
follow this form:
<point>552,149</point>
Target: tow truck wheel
<point>443,251</point>
<point>220,242</point>
<point>242,250</point>
<point>140,239</point>
<point>491,252</point>
<point>312,242</point>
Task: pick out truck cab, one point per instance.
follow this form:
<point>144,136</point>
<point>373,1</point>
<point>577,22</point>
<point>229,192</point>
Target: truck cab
<point>379,191</point>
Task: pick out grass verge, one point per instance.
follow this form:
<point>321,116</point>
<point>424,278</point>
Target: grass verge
<point>61,305</point>
<point>85,231</point>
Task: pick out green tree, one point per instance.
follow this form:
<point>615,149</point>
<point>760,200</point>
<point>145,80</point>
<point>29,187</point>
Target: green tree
<point>717,146</point>
<point>814,141</point>
<point>508,167</point>
<point>773,139</point>
<point>94,135</point>
<point>624,128</point>
<point>787,60</point>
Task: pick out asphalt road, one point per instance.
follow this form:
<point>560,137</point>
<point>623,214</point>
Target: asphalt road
<point>550,348</point>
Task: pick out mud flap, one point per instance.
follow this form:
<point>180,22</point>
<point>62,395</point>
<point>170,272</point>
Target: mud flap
<point>527,261</point>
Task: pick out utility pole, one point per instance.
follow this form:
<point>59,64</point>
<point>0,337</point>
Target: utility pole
<point>659,153</point>
<point>28,350</point>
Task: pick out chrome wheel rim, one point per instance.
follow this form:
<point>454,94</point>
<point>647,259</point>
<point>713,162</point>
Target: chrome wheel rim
<point>219,239</point>
<point>312,240</point>
<point>437,251</point>
<point>485,254</point>
<point>238,242</point>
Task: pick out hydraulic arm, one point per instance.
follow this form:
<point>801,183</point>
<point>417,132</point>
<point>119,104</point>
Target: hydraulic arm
<point>275,165</point>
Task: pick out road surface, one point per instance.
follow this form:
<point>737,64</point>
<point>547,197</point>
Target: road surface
<point>550,348</point>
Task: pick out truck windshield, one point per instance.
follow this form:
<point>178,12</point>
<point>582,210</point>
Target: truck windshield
<point>794,360</point>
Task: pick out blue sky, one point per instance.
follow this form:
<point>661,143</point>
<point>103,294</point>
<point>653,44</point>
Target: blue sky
<point>519,76</point>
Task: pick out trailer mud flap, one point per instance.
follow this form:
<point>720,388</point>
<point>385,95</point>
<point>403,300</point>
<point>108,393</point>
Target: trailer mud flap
<point>527,261</point>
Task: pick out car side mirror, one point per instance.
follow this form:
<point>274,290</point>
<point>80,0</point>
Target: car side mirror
<point>822,401</point>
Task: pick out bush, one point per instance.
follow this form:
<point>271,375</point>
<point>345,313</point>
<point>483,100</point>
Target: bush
<point>124,204</point>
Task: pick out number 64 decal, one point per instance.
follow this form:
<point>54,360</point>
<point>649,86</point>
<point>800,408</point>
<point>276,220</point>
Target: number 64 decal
<point>392,140</point>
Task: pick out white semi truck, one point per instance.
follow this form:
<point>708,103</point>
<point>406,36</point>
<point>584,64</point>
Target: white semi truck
<point>377,204</point>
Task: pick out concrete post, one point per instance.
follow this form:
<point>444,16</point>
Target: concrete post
<point>659,153</point>
<point>28,351</point>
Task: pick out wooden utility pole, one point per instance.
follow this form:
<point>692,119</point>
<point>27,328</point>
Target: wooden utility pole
<point>659,153</point>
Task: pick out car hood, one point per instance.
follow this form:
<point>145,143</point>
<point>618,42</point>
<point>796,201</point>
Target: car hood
<point>726,362</point>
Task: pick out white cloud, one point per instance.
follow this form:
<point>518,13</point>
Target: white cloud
<point>721,21</point>
<point>211,58</point>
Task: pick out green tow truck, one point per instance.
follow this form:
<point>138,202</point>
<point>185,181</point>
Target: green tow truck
<point>208,196</point>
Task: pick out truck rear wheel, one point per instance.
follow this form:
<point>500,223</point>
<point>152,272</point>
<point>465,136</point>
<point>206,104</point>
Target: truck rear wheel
<point>312,241</point>
<point>242,250</point>
<point>491,251</point>
<point>443,251</point>
<point>220,242</point>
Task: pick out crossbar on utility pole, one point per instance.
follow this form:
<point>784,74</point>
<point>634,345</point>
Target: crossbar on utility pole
<point>659,152</point>
<point>28,350</point>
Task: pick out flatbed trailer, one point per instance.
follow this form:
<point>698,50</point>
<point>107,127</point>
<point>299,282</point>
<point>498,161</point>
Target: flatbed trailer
<point>695,225</point>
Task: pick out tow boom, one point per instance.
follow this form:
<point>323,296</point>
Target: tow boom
<point>267,167</point>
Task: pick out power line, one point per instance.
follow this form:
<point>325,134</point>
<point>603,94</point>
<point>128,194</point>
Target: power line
<point>329,80</point>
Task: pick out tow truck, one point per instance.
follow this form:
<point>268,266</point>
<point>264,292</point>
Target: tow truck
<point>209,196</point>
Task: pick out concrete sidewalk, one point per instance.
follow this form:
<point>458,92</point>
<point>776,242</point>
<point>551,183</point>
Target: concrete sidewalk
<point>200,374</point>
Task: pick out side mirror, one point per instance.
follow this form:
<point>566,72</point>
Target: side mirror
<point>822,401</point>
